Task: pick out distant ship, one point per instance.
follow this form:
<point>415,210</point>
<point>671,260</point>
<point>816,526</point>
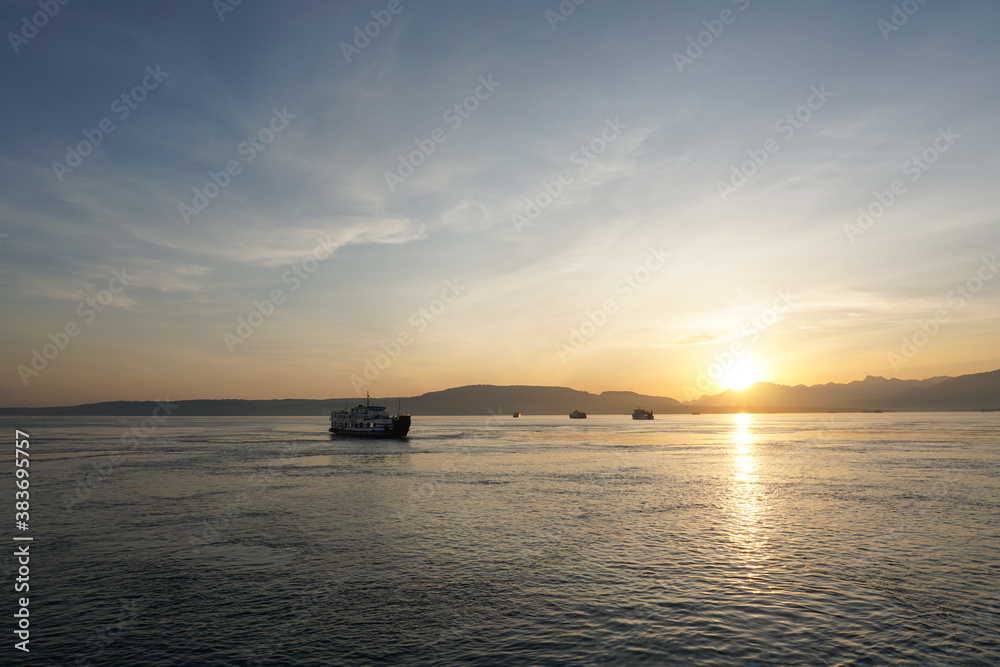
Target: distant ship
<point>517,414</point>
<point>639,413</point>
<point>369,421</point>
<point>576,414</point>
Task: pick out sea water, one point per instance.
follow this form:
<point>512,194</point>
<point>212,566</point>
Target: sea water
<point>708,540</point>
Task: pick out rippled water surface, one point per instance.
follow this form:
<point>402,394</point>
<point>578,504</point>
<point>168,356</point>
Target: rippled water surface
<point>710,540</point>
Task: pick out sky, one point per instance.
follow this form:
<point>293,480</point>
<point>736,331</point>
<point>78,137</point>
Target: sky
<point>315,199</point>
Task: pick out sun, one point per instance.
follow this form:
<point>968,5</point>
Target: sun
<point>744,373</point>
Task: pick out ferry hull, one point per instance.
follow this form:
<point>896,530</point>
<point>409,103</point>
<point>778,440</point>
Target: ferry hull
<point>400,427</point>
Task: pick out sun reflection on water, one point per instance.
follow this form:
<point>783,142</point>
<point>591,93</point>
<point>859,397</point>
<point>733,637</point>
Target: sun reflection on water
<point>746,499</point>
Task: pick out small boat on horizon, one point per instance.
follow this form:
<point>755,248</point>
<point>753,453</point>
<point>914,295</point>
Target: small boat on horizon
<point>517,414</point>
<point>369,421</point>
<point>639,413</point>
<point>576,414</point>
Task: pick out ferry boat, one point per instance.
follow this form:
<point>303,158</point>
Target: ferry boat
<point>576,414</point>
<point>639,413</point>
<point>369,421</point>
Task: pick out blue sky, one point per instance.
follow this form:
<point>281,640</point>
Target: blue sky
<point>319,186</point>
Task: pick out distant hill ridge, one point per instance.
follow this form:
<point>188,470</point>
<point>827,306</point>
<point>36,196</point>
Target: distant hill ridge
<point>966,392</point>
<point>976,391</point>
<point>859,393</point>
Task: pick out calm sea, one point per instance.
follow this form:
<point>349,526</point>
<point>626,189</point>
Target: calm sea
<point>702,540</point>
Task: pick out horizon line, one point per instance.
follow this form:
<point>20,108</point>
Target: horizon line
<point>398,397</point>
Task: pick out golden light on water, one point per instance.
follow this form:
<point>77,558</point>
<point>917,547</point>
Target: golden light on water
<point>743,436</point>
<point>746,499</point>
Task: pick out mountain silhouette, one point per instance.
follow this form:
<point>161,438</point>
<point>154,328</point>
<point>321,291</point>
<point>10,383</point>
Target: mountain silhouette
<point>977,391</point>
